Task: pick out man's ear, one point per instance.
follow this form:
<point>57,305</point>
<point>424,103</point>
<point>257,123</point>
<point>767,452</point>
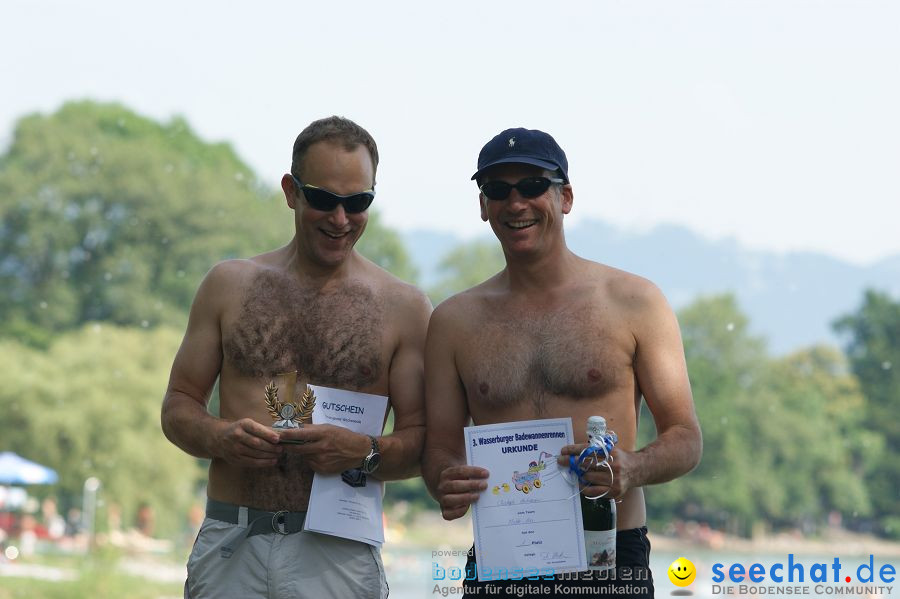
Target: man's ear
<point>566,198</point>
<point>482,203</point>
<point>290,190</point>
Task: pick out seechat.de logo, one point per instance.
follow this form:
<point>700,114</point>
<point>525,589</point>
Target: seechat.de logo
<point>793,571</point>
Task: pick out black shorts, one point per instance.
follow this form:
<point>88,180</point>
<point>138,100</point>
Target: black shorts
<point>630,578</point>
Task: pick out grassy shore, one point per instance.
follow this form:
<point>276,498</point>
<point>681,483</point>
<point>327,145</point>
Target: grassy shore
<point>100,575</point>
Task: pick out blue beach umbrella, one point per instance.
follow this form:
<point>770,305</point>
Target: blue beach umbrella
<point>16,470</point>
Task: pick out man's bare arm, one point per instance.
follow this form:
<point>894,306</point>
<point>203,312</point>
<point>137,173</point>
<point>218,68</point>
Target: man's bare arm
<point>662,377</point>
<point>401,451</point>
<point>450,481</point>
<point>185,419</point>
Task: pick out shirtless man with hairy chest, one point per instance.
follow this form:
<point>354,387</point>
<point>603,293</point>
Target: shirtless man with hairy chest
<point>343,335</point>
<point>318,307</point>
<point>551,336</point>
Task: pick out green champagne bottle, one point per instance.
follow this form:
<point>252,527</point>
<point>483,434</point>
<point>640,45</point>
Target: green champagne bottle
<point>599,515</point>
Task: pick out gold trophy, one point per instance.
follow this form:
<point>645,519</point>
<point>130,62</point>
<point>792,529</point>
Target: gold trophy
<point>296,410</point>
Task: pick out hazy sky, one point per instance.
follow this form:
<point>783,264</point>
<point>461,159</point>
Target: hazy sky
<point>775,122</point>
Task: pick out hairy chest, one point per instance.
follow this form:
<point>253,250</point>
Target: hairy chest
<point>334,337</point>
<point>575,353</point>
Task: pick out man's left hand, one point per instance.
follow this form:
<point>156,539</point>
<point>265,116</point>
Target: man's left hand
<point>328,449</point>
<point>622,463</point>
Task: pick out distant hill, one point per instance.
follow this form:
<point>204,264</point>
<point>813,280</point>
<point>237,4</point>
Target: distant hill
<point>791,299</point>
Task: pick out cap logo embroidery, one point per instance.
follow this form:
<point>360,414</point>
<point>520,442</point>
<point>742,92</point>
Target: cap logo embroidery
<point>512,142</point>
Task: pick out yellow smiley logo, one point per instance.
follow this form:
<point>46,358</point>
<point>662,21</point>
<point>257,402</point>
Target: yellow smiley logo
<point>682,572</point>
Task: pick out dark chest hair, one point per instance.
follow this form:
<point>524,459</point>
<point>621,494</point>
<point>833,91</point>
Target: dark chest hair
<point>571,353</point>
<point>333,337</point>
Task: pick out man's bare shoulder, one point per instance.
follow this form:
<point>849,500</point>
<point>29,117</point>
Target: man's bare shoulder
<point>224,286</point>
<point>398,293</point>
<point>466,307</point>
<point>228,273</point>
<point>237,270</point>
<point>409,305</point>
<point>626,289</point>
<point>464,300</point>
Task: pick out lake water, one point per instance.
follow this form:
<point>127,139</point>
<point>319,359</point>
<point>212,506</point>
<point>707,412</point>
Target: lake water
<point>410,574</point>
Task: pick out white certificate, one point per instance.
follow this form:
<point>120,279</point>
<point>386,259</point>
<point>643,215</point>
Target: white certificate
<point>528,521</point>
<point>336,507</point>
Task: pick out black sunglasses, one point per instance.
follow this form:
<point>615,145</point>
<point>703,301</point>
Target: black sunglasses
<point>325,201</point>
<point>529,187</point>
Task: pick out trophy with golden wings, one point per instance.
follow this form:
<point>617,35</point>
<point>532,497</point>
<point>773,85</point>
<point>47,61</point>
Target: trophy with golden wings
<point>295,409</point>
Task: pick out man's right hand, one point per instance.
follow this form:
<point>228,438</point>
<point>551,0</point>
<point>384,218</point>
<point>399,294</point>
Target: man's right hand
<point>248,443</point>
<point>458,488</point>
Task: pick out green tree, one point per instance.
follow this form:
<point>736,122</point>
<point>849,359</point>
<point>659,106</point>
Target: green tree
<point>810,441</point>
<point>725,364</point>
<point>384,247</point>
<point>111,216</point>
<point>466,266</point>
<point>784,443</point>
<point>873,347</point>
<point>89,406</point>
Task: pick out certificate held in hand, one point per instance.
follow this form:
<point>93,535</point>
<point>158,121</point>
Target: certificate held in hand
<point>528,521</point>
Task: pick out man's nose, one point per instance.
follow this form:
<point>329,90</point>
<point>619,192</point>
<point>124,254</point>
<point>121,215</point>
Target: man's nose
<point>516,201</point>
<point>338,216</point>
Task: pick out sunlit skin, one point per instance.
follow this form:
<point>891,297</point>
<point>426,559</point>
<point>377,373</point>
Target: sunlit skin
<point>325,239</point>
<point>553,336</point>
<point>682,572</point>
<point>246,319</point>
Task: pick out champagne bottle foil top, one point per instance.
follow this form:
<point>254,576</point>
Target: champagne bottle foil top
<point>596,427</point>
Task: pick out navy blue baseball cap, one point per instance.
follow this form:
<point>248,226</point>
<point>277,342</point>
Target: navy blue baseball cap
<point>528,146</point>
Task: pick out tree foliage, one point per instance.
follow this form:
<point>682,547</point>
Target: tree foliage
<point>873,347</point>
<point>725,365</point>
<point>108,222</point>
<point>111,216</point>
<point>465,266</point>
<point>385,248</point>
<point>784,444</point>
<point>89,405</point>
<point>811,442</point>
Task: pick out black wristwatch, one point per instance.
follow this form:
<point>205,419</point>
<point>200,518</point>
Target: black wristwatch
<point>373,460</point>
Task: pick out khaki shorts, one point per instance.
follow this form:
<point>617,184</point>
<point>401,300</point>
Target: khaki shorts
<point>276,566</point>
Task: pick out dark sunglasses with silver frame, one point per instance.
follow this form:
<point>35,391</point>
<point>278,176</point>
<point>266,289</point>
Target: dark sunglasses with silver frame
<point>326,201</point>
<point>529,187</point>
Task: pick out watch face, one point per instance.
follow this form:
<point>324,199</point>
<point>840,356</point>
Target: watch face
<point>372,463</point>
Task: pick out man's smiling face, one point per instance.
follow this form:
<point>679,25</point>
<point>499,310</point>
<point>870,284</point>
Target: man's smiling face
<point>525,224</point>
<point>329,237</point>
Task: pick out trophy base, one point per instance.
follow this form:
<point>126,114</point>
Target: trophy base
<point>278,426</point>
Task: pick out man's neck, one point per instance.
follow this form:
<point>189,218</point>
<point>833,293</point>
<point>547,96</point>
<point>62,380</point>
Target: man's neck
<point>540,274</point>
<point>298,263</point>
